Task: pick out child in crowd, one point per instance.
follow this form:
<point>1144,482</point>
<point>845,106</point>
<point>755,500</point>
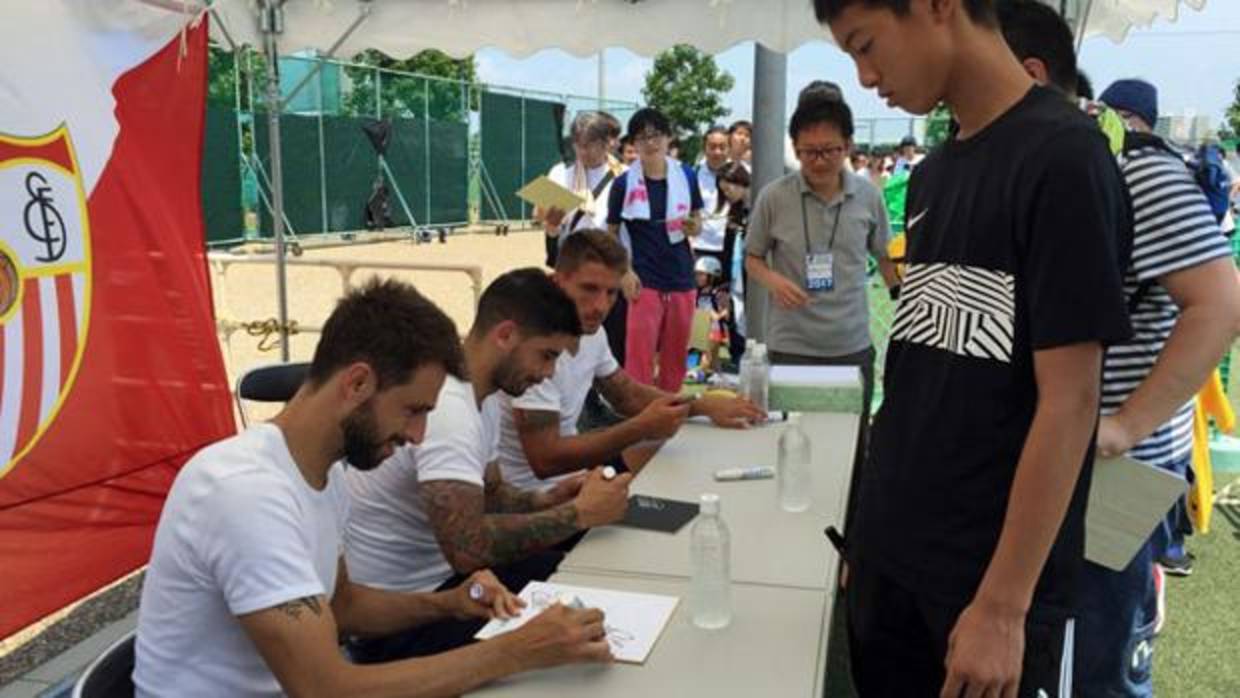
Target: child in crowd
<point>713,301</point>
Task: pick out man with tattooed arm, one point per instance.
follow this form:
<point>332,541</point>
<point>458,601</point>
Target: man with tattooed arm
<point>247,592</point>
<point>436,512</point>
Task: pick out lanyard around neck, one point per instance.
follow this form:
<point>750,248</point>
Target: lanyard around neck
<point>834,226</point>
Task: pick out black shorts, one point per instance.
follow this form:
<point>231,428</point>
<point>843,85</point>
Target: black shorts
<point>898,641</point>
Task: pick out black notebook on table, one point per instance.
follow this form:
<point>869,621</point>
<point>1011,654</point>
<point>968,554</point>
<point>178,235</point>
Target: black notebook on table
<point>658,514</point>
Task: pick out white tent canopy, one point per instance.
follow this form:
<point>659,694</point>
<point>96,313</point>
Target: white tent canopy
<point>583,27</point>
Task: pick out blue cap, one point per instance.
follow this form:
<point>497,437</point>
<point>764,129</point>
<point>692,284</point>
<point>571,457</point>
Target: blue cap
<point>1136,96</point>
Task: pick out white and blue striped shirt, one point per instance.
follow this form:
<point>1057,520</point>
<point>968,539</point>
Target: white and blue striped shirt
<point>1174,230</point>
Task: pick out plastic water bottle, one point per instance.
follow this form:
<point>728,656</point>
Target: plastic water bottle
<point>760,379</point>
<point>793,472</point>
<point>710,596</point>
<point>744,371</point>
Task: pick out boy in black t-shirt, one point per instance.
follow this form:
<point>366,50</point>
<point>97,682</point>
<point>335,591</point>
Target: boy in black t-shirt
<point>969,530</point>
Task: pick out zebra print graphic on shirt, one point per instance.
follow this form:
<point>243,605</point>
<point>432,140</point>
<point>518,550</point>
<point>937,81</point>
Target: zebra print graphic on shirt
<point>964,310</point>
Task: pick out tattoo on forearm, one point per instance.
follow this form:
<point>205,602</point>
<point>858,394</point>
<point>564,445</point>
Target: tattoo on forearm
<point>535,420</point>
<point>472,539</point>
<point>516,536</point>
<point>504,498</point>
<point>626,395</point>
<point>295,608</point>
<point>616,389</point>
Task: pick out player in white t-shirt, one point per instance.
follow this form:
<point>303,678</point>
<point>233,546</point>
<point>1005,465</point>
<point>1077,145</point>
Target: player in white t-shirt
<point>539,443</point>
<point>440,510</point>
<point>247,592</point>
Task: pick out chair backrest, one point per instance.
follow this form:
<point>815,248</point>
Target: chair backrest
<point>111,674</point>
<point>271,383</point>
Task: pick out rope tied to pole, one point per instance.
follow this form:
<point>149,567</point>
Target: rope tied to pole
<point>269,332</point>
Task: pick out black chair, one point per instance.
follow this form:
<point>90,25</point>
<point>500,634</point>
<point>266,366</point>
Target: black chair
<point>271,383</point>
<point>111,674</point>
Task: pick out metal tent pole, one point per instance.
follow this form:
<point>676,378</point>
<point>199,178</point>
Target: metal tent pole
<point>272,24</point>
<point>770,71</point>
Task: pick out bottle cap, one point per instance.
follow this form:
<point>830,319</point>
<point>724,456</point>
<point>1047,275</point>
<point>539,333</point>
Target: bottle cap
<point>709,504</point>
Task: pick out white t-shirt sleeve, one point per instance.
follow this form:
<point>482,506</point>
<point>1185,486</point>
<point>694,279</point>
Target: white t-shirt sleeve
<point>455,447</point>
<point>606,363</point>
<point>255,544</point>
<point>545,396</point>
<point>491,416</point>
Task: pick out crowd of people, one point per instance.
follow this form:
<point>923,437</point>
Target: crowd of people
<point>1067,288</point>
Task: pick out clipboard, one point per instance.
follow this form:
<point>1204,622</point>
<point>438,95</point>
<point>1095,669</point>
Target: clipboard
<point>546,194</point>
<point>1127,499</point>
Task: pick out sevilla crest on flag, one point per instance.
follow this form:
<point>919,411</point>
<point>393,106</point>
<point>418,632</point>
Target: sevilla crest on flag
<point>45,270</point>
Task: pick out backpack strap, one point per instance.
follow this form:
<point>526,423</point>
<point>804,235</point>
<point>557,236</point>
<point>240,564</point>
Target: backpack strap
<point>598,190</point>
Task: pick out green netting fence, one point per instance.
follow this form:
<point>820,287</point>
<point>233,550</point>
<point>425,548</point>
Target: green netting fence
<point>455,147</point>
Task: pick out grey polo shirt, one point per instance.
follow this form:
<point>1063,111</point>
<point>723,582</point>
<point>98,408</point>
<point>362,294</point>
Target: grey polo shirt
<point>835,322</point>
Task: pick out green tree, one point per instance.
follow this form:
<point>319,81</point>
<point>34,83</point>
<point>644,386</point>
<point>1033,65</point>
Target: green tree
<point>1233,112</point>
<point>222,84</point>
<point>687,86</point>
<point>403,95</point>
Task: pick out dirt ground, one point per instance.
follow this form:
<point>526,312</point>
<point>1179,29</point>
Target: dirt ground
<point>247,293</point>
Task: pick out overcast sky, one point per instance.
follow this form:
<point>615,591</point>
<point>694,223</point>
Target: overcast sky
<point>1195,62</point>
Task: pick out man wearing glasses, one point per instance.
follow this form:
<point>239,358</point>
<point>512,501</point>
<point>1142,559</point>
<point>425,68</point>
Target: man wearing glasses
<point>810,236</point>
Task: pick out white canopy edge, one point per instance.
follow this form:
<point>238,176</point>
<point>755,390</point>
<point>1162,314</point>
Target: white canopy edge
<point>523,27</point>
<point>1115,18</point>
<point>582,27</point>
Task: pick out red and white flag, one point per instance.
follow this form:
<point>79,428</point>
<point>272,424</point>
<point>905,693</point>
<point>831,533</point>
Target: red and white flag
<point>110,372</point>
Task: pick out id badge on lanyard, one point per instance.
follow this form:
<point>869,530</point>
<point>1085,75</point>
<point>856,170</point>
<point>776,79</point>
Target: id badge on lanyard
<point>819,272</point>
<point>820,266</point>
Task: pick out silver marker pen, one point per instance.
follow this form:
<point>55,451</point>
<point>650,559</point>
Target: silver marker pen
<point>759,472</point>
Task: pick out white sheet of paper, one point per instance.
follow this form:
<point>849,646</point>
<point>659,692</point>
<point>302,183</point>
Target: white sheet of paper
<point>546,193</point>
<point>816,376</point>
<point>633,621</point>
<point>1127,499</point>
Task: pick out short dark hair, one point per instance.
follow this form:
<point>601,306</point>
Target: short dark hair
<point>649,119</point>
<point>1035,30</point>
<point>1084,86</point>
<point>392,327</point>
<point>738,125</point>
<point>715,130</point>
<point>820,88</point>
<point>626,139</point>
<point>980,11</point>
<point>585,246</point>
<point>532,300</point>
<point>821,108</point>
